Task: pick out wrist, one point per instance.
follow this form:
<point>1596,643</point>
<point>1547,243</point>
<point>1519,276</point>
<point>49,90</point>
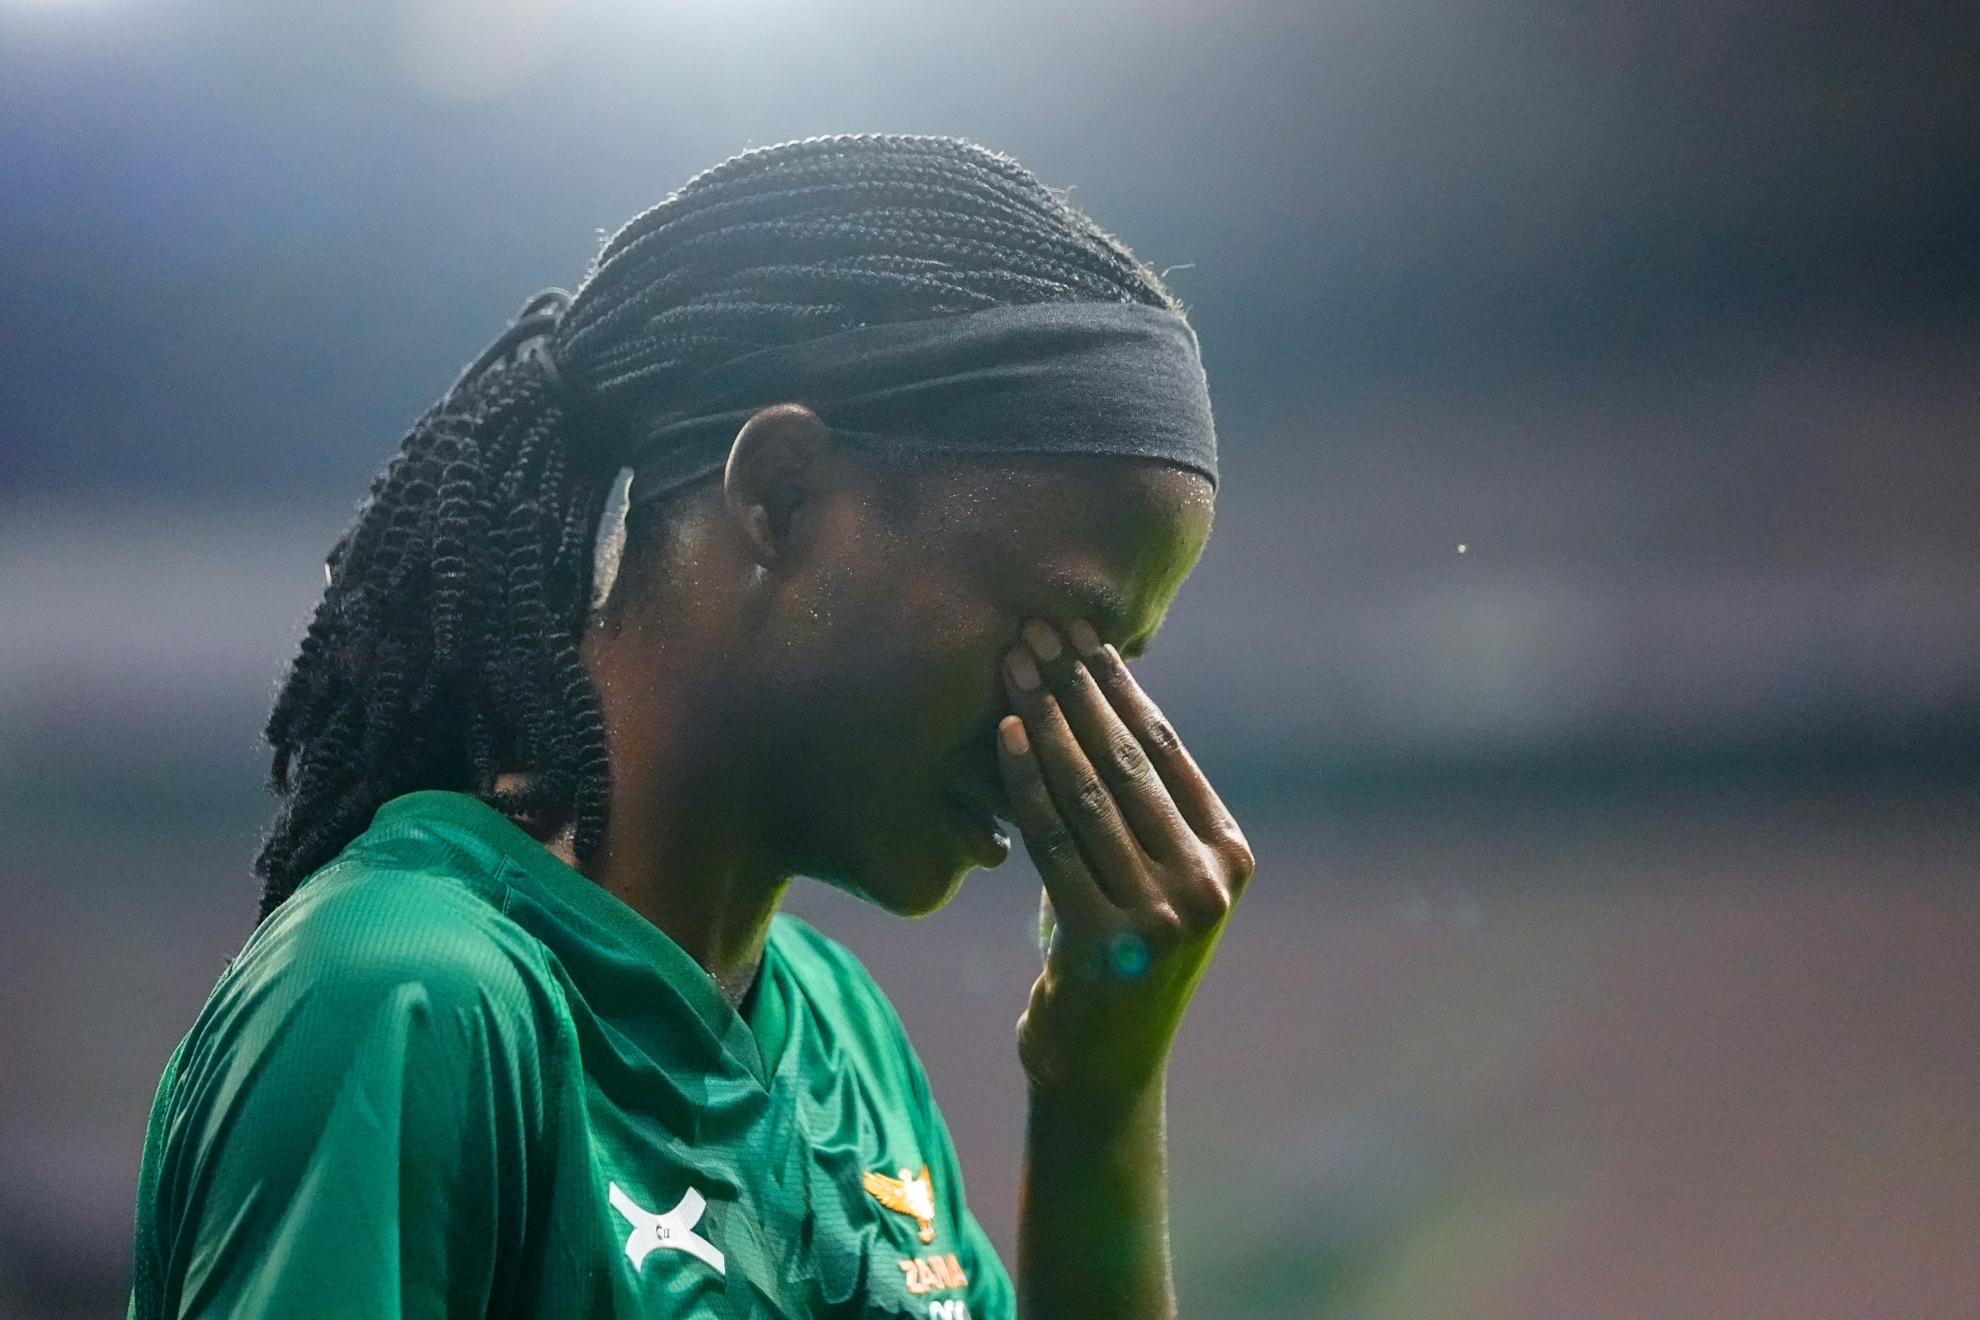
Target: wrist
<point>1085,1058</point>
<point>1097,1104</point>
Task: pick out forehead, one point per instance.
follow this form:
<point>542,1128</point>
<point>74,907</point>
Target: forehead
<point>1105,539</point>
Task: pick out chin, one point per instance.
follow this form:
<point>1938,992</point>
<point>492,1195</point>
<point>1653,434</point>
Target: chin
<point>905,881</point>
<point>923,895</point>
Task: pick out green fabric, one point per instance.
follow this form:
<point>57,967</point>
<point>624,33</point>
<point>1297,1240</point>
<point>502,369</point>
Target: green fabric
<point>413,1093</point>
<point>770,1018</point>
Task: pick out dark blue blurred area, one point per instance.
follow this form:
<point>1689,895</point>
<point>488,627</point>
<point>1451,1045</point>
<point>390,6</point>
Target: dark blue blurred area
<point>1593,611</point>
<point>246,242</point>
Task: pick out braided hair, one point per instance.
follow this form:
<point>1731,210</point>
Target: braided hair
<point>445,651</point>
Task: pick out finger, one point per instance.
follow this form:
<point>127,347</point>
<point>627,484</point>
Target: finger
<point>1077,789</point>
<point>1077,899</point>
<point>1112,748</point>
<point>1187,784</point>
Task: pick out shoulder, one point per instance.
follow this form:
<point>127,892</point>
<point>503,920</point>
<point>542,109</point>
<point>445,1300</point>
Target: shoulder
<point>844,999</point>
<point>370,923</point>
<point>372,950</point>
<point>377,994</point>
<point>828,971</point>
<point>798,941</point>
<point>386,1039</point>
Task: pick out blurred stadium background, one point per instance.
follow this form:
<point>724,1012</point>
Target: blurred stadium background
<point>1591,639</point>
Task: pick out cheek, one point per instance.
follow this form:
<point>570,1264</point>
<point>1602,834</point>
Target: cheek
<point>944,643</point>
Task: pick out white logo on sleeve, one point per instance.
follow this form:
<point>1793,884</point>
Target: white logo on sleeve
<point>673,1231</point>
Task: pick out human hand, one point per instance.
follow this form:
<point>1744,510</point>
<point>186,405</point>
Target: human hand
<point>1141,863</point>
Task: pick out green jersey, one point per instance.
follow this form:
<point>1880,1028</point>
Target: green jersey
<point>453,1077</point>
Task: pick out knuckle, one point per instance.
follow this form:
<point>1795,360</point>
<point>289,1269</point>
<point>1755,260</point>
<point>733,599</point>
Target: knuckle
<point>1237,859</point>
<point>1202,907</point>
<point>1203,894</point>
<point>1227,841</point>
<point>1124,754</point>
<point>1209,903</point>
<point>1090,796</point>
<point>1162,738</point>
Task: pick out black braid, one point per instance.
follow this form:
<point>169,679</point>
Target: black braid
<point>445,651</point>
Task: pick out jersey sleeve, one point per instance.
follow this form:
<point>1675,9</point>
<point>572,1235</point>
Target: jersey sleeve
<point>861,1004</point>
<point>345,1131</point>
<point>989,1293</point>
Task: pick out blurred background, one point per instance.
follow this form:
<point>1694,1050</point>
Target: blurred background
<point>1590,641</point>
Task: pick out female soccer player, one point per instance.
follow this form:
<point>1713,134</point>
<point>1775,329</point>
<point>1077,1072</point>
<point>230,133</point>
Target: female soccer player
<point>809,537</point>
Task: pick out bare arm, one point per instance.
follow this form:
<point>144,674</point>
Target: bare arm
<point>1142,864</point>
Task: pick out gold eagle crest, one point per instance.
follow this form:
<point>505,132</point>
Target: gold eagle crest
<point>909,1194</point>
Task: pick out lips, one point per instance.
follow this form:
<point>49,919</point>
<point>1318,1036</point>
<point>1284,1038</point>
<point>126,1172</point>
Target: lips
<point>977,823</point>
<point>975,798</point>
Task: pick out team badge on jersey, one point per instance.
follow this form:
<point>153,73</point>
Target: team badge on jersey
<point>910,1194</point>
<point>672,1231</point>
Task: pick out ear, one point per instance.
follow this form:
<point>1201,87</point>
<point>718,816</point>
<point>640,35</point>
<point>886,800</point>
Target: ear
<point>778,467</point>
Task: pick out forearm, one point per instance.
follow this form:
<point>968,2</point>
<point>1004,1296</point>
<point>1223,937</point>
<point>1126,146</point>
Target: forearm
<point>1142,863</point>
<point>1093,1233</point>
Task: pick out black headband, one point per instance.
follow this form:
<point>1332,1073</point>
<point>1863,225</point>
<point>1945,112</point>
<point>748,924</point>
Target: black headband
<point>1043,378</point>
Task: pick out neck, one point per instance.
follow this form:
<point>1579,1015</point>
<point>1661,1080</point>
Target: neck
<point>687,846</point>
<point>695,879</point>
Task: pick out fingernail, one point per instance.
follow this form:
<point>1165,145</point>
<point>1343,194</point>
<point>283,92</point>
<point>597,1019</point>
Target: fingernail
<point>1113,655</point>
<point>1084,640</point>
<point>1010,732</point>
<point>1024,670</point>
<point>1043,640</point>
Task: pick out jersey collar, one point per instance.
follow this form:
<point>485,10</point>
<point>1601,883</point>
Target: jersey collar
<point>612,952</point>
